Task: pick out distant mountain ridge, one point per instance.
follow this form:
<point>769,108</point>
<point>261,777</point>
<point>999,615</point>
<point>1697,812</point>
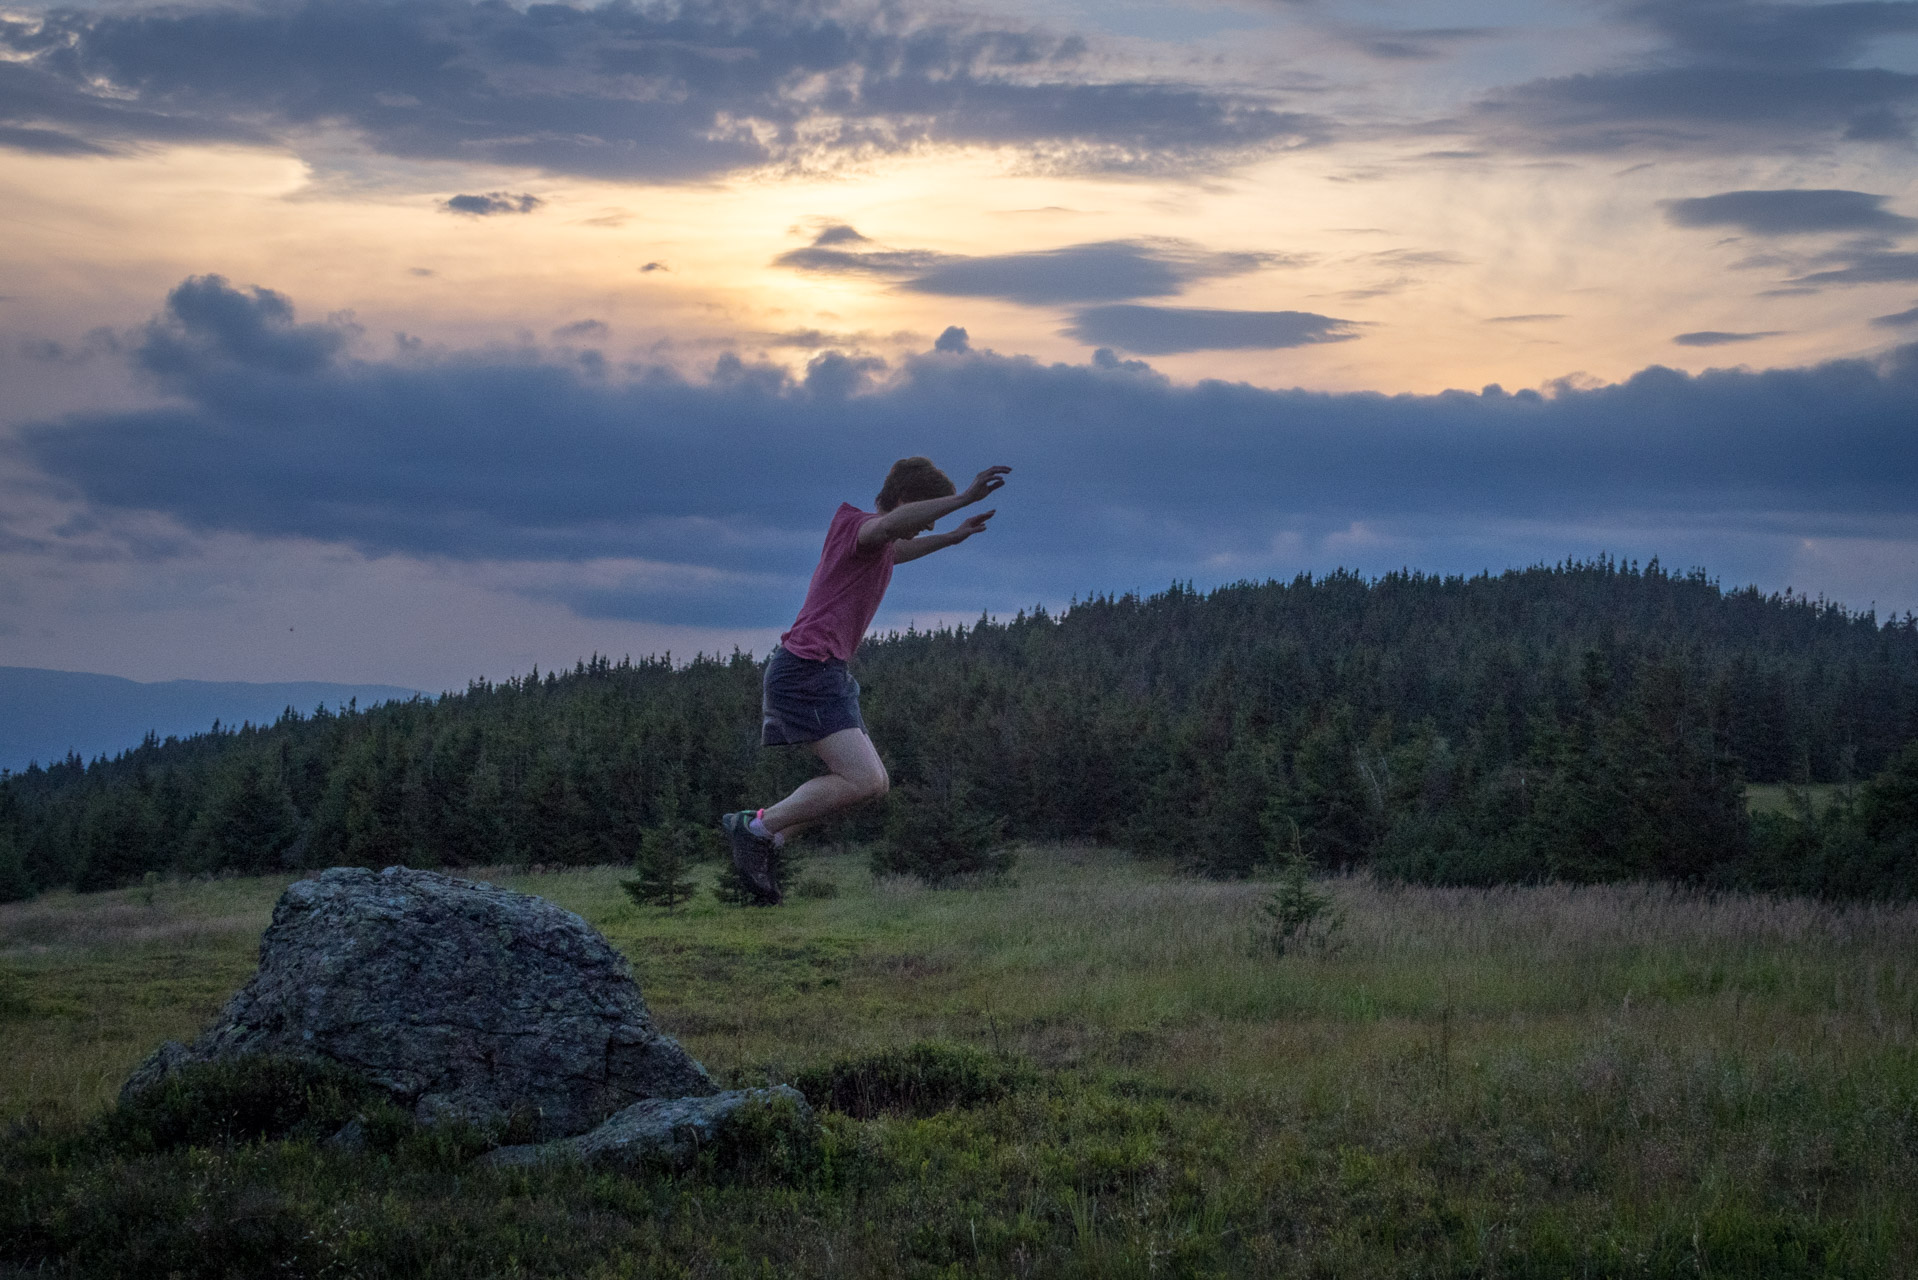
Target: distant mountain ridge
<point>44,714</point>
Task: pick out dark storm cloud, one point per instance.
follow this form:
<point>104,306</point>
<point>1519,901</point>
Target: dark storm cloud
<point>1158,331</point>
<point>1790,212</point>
<point>1734,76</point>
<point>1099,272</point>
<point>493,202</point>
<point>1720,338</point>
<point>661,92</point>
<point>271,427</point>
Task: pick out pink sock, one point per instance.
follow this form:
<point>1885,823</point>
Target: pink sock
<point>758,827</point>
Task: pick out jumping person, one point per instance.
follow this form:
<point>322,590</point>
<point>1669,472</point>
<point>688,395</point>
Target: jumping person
<point>810,697</point>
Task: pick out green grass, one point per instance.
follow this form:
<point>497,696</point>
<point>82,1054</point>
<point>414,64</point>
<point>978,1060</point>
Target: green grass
<point>1549,1081</point>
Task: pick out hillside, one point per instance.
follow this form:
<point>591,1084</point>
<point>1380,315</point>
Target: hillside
<point>1583,722</point>
<point>47,715</point>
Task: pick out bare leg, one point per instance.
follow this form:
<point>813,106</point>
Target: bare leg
<point>857,775</point>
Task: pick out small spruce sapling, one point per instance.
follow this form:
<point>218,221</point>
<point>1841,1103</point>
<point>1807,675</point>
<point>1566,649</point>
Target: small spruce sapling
<point>1295,916</point>
<point>666,853</point>
<point>938,834</point>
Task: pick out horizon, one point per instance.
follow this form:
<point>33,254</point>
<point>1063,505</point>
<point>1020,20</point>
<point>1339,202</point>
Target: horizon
<point>948,624</point>
<point>443,337</point>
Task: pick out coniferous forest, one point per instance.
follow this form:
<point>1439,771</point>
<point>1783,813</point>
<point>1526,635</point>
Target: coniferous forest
<point>1589,721</point>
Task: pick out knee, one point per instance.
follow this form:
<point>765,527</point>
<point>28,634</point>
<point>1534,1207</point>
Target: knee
<point>875,785</point>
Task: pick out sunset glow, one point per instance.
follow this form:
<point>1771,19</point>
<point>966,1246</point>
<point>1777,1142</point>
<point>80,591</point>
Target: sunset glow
<point>469,259</point>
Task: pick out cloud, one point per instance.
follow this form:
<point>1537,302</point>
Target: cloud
<point>1417,258</point>
<point>493,202</point>
<point>50,106</point>
<point>1739,32</point>
<point>691,596</point>
<point>1870,267</point>
<point>623,91</point>
<point>1157,331</point>
<point>1790,212</point>
<point>1732,76</point>
<point>273,427</point>
<point>1412,43</point>
<point>49,142</point>
<point>839,233</point>
<point>1719,338</point>
<point>1897,320</point>
<point>820,256</point>
<point>98,342</point>
<point>1103,271</point>
<point>1702,110</point>
<point>211,330</point>
<point>1084,272</point>
<point>583,329</point>
<point>1525,319</point>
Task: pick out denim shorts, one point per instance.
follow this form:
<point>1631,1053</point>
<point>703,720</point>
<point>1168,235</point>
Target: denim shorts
<point>806,699</point>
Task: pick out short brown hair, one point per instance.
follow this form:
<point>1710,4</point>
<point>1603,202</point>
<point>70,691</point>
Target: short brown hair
<point>914,480</point>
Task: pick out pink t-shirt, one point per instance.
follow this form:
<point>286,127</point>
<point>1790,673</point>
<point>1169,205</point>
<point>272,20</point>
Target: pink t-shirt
<point>845,592</point>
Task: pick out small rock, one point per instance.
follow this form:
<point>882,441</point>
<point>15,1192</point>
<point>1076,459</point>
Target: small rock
<point>351,1137</point>
<point>159,1064</point>
<point>657,1132</point>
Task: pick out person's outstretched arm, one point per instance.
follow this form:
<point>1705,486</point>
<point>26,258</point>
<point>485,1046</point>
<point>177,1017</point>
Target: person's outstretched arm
<point>909,518</point>
<point>927,543</point>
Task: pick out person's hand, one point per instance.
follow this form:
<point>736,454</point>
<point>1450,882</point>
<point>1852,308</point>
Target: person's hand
<point>985,482</point>
<point>973,524</point>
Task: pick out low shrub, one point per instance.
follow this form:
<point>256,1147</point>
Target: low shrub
<point>766,1140</point>
<point>253,1099</point>
<point>919,1080</point>
<point>936,833</point>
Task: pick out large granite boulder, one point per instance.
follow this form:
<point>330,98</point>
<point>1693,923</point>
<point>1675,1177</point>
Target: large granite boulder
<point>461,1000</point>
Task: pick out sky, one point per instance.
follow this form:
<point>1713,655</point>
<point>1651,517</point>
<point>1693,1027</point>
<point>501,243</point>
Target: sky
<point>417,341</point>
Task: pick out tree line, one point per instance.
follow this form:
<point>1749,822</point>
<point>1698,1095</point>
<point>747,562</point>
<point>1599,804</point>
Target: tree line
<point>1588,721</point>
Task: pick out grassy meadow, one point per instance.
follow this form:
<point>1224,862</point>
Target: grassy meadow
<point>1542,1081</point>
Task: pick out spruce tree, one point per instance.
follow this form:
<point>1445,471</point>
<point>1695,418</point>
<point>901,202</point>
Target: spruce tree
<point>247,819</point>
<point>937,833</point>
<point>666,851</point>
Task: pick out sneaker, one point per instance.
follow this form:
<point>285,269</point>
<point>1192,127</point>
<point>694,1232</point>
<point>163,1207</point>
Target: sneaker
<point>752,855</point>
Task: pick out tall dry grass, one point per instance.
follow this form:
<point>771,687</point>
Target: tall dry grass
<point>1652,995</point>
